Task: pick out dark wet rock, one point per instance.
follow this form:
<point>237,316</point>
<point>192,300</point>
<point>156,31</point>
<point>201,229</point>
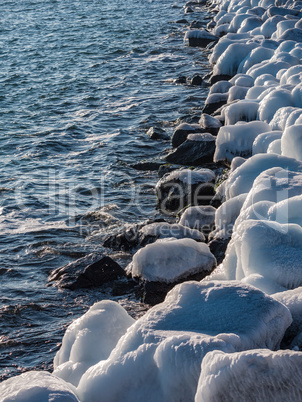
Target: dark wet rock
<point>214,102</point>
<point>209,123</point>
<point>184,187</point>
<point>127,237</point>
<point>166,168</point>
<point>196,150</point>
<point>123,287</point>
<point>211,25</point>
<point>182,21</point>
<point>196,80</point>
<point>180,80</point>
<point>139,235</point>
<point>182,131</point>
<point>219,77</point>
<point>157,133</point>
<point>196,24</point>
<point>94,270</point>
<point>155,292</point>
<point>147,165</point>
<point>189,10</point>
<point>218,248</point>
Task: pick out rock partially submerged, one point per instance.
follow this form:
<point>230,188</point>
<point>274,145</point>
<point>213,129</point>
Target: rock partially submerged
<point>185,187</point>
<point>195,151</point>
<point>90,271</point>
<point>182,131</point>
<point>157,133</point>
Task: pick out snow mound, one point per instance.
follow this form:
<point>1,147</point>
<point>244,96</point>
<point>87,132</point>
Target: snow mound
<point>226,216</point>
<point>291,142</point>
<point>287,211</point>
<point>200,217</point>
<point>163,230</point>
<point>274,147</point>
<point>241,180</point>
<point>237,92</point>
<point>238,140</point>
<point>160,356</point>
<point>220,87</point>
<point>278,253</point>
<point>273,101</point>
<point>292,299</point>
<point>37,386</point>
<point>256,56</point>
<point>258,375</point>
<point>170,260</point>
<point>240,111</point>
<point>278,122</point>
<point>231,58</point>
<point>263,140</point>
<point>90,339</point>
<point>275,184</point>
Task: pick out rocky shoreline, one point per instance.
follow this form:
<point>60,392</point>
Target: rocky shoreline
<point>225,264</point>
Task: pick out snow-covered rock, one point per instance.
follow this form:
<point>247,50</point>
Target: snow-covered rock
<point>275,184</point>
<point>278,253</point>
<point>171,260</point>
<point>238,140</point>
<point>90,339</point>
<point>164,230</point>
<point>263,141</point>
<point>291,142</point>
<point>37,386</point>
<point>200,217</point>
<point>258,375</point>
<point>159,358</point>
<point>241,179</point>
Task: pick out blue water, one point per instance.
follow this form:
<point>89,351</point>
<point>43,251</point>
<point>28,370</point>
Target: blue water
<point>80,83</point>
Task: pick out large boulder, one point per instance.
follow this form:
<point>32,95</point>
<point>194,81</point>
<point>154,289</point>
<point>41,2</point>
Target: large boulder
<point>254,375</point>
<point>160,356</point>
<point>196,150</point>
<point>37,386</point>
<point>185,187</point>
<point>89,339</point>
<point>182,131</point>
<point>90,271</point>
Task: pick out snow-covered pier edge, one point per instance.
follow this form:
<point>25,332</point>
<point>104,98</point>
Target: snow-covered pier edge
<point>236,334</point>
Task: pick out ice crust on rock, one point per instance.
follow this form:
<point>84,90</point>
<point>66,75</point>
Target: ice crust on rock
<point>163,230</point>
<point>258,375</point>
<point>90,339</point>
<point>241,180</point>
<point>159,358</point>
<point>238,140</point>
<point>198,217</point>
<point>37,386</point>
<point>262,141</point>
<point>291,142</point>
<point>279,252</point>
<point>170,260</point>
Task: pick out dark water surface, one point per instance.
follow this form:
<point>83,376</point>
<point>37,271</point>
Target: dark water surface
<point>80,82</point>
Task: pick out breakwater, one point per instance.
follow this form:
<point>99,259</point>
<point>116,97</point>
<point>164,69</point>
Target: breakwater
<point>211,337</point>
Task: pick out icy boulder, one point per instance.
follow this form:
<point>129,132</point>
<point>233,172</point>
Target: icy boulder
<point>162,230</point>
<point>240,111</point>
<point>278,255</point>
<point>241,180</point>
<point>90,339</point>
<point>292,299</point>
<point>238,140</point>
<point>291,142</point>
<point>182,187</point>
<point>272,102</point>
<point>226,216</point>
<point>37,386</point>
<point>199,37</point>
<point>159,358</point>
<point>262,141</point>
<point>275,184</point>
<point>258,375</point>
<point>171,260</point>
<point>199,217</point>
<point>229,62</point>
<point>287,211</point>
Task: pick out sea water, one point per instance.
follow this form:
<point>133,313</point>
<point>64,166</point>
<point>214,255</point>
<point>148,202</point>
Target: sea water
<point>80,83</point>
